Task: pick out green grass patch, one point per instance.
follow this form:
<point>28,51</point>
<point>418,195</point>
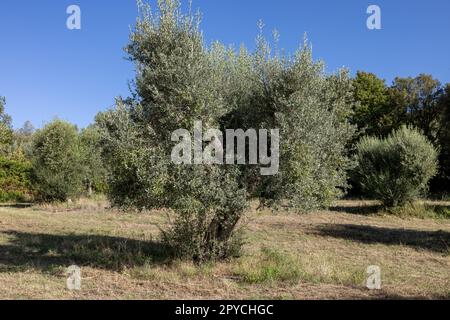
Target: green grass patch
<point>269,266</point>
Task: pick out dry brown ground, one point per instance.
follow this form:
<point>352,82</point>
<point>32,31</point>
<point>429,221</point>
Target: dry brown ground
<point>323,255</point>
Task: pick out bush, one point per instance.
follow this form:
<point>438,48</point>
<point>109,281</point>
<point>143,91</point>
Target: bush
<point>56,162</point>
<point>397,169</point>
<point>14,180</point>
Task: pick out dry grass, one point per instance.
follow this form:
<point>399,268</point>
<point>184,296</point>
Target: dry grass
<point>323,255</point>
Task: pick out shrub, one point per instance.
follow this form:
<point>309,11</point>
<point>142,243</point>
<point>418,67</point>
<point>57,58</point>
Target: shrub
<point>22,142</point>
<point>56,162</point>
<point>14,180</point>
<point>397,169</point>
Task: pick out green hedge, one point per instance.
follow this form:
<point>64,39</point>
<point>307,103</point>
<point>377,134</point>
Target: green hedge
<point>14,180</point>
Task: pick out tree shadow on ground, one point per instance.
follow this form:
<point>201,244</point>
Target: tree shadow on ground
<point>436,241</point>
<point>414,298</point>
<point>359,210</point>
<point>16,205</point>
<point>49,252</point>
<point>440,210</point>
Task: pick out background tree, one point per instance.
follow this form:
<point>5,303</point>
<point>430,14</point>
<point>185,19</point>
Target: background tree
<point>442,183</point>
<point>15,171</point>
<point>27,129</point>
<point>419,98</point>
<point>372,114</point>
<point>310,108</point>
<point>22,141</point>
<point>420,102</point>
<point>56,161</point>
<point>409,101</point>
<point>5,128</point>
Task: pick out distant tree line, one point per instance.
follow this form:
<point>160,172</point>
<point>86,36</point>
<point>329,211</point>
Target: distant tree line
<point>54,163</point>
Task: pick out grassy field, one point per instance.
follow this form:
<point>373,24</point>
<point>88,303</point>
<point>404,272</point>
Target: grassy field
<point>323,255</point>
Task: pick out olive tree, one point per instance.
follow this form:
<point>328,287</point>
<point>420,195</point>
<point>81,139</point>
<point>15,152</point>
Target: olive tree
<point>5,127</point>
<point>396,169</point>
<point>310,108</point>
<point>180,81</point>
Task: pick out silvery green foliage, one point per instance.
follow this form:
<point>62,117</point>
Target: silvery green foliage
<point>311,111</point>
<point>177,82</point>
<point>310,108</point>
<point>396,169</point>
<point>5,127</point>
<point>137,167</point>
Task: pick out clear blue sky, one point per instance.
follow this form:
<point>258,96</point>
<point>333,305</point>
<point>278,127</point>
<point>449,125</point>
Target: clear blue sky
<point>48,71</point>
